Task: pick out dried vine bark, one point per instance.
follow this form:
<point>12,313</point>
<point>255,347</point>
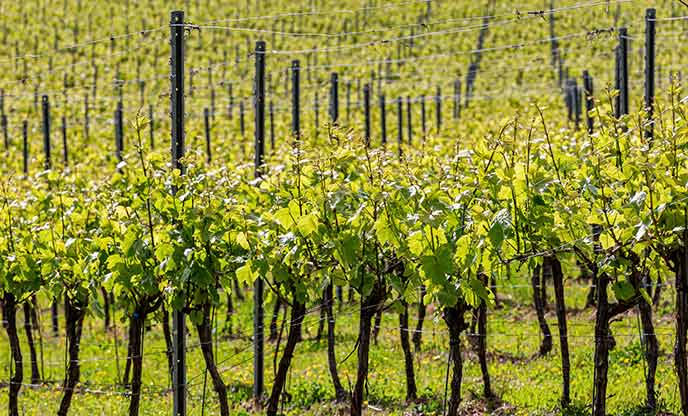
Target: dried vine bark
<point>298,311</point>
<point>205,338</point>
<point>273,320</point>
<point>137,323</point>
<point>454,318</point>
<point>167,333</point>
<point>418,333</point>
<point>9,309</point>
<point>603,339</point>
<point>131,335</point>
<point>558,282</point>
<point>601,359</point>
<point>411,390</point>
<point>321,321</point>
<point>106,307</point>
<point>75,311</point>
<point>339,392</point>
<point>28,329</point>
<point>482,344</point>
<point>369,306</point>
<point>546,343</point>
<point>657,294</point>
<point>136,359</point>
<point>679,258</point>
<point>649,339</point>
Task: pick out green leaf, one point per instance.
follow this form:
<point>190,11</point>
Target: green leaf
<point>623,290</point>
<point>307,224</point>
<point>463,248</point>
<point>479,289</point>
<point>417,243</point>
<point>437,267</point>
<point>245,273</point>
<point>501,225</point>
<point>385,233</point>
<point>283,217</point>
<point>346,252</point>
<point>280,273</point>
<point>243,241</point>
<point>202,276</point>
<point>447,296</point>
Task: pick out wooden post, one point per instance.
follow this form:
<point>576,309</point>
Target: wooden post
<point>258,313</point>
<point>177,116</point>
<point>650,16</point>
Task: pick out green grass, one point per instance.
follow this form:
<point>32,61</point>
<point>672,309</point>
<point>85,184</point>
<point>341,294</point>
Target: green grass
<point>524,383</point>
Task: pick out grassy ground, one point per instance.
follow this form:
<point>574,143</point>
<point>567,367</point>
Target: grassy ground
<point>524,383</point>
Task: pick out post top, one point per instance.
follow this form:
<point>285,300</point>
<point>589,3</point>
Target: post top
<point>177,16</point>
<point>651,12</point>
<point>260,46</point>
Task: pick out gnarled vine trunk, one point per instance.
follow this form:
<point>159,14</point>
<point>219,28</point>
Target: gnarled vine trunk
<point>546,343</point>
<point>482,344</point>
<point>649,339</point>
<point>9,309</point>
<point>340,297</point>
<point>130,340</point>
<point>601,360</point>
<point>74,321</point>
<point>321,320</point>
<point>657,294</point>
<point>136,331</point>
<point>603,340</point>
<point>493,289</point>
<point>275,317</point>
<point>680,259</point>
<point>340,393</point>
<point>369,307</point>
<point>411,390</point>
<point>298,311</point>
<point>560,302</point>
<point>205,338</point>
<point>28,328</point>
<point>454,318</point>
<point>106,307</point>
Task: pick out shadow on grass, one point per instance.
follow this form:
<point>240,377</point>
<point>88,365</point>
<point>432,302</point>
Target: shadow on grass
<point>584,409</point>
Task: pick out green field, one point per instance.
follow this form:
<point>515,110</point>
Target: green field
<point>482,177</point>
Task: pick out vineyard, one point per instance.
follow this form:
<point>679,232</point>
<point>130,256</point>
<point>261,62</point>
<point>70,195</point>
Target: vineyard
<point>422,207</point>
